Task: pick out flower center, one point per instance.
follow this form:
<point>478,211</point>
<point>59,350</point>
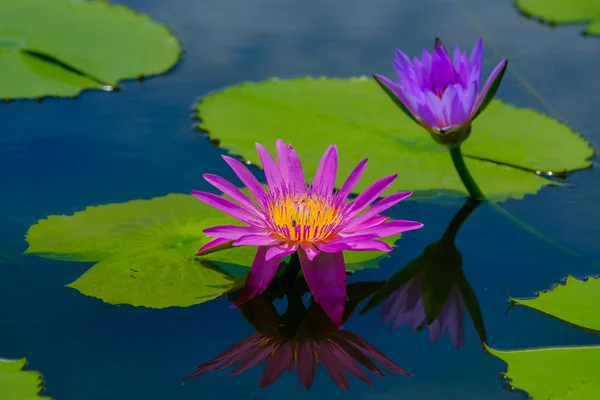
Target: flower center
<point>304,218</point>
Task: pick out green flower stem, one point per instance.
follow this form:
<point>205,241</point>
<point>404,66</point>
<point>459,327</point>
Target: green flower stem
<point>465,175</point>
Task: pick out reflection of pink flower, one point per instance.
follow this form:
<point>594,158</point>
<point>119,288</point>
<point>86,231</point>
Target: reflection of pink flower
<point>316,341</point>
<point>311,219</point>
<point>405,306</point>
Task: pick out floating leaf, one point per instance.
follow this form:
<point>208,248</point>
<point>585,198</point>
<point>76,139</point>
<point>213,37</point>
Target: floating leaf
<point>564,12</point>
<point>577,302</point>
<point>554,373</point>
<point>61,47</point>
<point>360,119</point>
<point>144,251</point>
<point>17,384</point>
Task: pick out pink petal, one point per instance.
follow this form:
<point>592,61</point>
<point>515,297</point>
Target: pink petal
<point>227,207</point>
<point>334,247</point>
<point>290,166</point>
<point>214,245</point>
<point>352,180</point>
<point>280,251</point>
<point>310,250</point>
<point>373,221</point>
<point>324,181</point>
<point>230,190</point>
<point>326,278</point>
<point>392,228</point>
<point>232,232</point>
<point>259,277</point>
<point>371,193</point>
<point>256,240</point>
<point>246,177</point>
<point>370,245</point>
<point>272,172</point>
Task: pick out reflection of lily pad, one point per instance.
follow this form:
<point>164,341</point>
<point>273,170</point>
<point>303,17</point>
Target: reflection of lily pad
<point>577,302</point>
<point>554,373</point>
<point>144,251</point>
<point>17,384</point>
<point>565,12</point>
<point>357,116</point>
<point>61,47</point>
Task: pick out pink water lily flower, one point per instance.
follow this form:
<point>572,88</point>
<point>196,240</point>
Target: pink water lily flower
<point>290,215</point>
<point>443,93</point>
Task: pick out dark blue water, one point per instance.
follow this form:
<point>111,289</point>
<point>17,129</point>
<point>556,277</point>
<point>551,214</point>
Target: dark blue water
<point>59,156</point>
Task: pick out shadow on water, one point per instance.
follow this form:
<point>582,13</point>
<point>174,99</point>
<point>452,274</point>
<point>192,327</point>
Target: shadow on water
<point>431,290</point>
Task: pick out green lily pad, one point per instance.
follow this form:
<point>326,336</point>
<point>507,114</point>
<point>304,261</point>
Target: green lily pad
<point>360,119</point>
<point>564,12</point>
<point>554,373</point>
<point>144,251</point>
<point>576,302</point>
<point>61,47</point>
<point>17,384</point>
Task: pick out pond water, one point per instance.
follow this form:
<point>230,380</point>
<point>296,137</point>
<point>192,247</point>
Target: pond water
<point>59,156</point>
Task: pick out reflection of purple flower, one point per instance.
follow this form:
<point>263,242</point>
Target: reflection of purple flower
<point>406,306</point>
<point>311,219</point>
<point>440,92</point>
<point>316,341</point>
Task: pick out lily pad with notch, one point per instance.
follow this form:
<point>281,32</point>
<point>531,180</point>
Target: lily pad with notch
<point>16,383</point>
<point>61,47</point>
<point>564,12</point>
<point>509,152</point>
<point>144,251</point>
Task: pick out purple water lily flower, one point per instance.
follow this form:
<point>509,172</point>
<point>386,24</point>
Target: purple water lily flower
<point>443,93</point>
<point>302,344</point>
<point>405,306</point>
<point>312,219</point>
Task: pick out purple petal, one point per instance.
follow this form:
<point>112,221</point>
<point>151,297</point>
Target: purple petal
<point>276,364</point>
<point>398,95</point>
<point>352,180</point>
<point>280,251</point>
<point>290,166</point>
<point>491,87</point>
<point>310,250</point>
<point>306,364</point>
<point>476,58</point>
<point>259,277</point>
<point>326,278</point>
<point>232,232</point>
<point>381,206</point>
<point>272,172</point>
<point>324,181</point>
<point>227,207</point>
<point>230,190</point>
<point>246,177</point>
<point>215,245</point>
<point>370,194</point>
<point>257,240</point>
